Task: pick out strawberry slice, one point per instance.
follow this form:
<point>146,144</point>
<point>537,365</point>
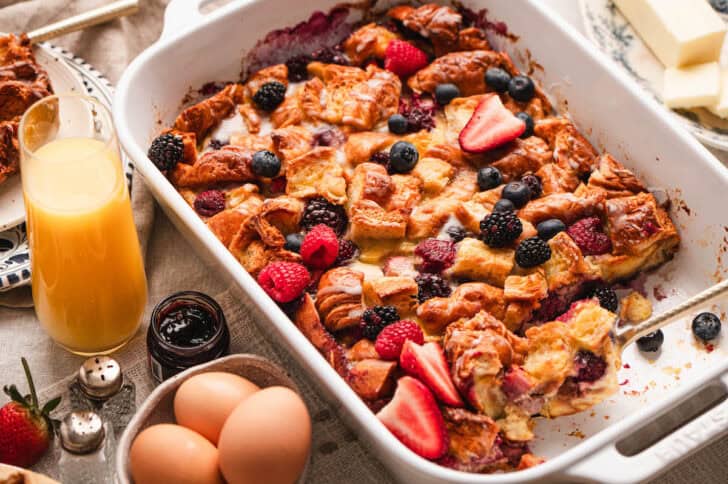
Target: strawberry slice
<point>427,362</point>
<point>491,126</point>
<point>415,419</point>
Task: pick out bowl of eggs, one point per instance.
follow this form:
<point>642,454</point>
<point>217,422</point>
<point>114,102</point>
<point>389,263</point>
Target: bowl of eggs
<point>235,420</point>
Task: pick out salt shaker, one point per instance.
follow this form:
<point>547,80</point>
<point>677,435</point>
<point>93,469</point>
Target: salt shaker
<point>88,446</point>
<point>100,387</point>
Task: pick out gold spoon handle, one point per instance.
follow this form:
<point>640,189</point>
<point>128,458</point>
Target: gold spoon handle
<point>631,333</point>
<point>84,20</point>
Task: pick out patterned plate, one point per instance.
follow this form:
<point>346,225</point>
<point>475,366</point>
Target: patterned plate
<point>14,257</point>
<point>607,28</point>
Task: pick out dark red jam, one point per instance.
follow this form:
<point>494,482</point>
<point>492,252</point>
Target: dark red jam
<point>186,329</point>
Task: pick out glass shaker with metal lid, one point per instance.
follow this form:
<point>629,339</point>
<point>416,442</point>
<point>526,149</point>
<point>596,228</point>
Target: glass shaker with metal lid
<point>88,446</point>
<point>100,386</point>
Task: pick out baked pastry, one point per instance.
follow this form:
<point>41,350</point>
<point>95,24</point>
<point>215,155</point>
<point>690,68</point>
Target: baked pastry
<point>369,215</point>
<point>22,83</point>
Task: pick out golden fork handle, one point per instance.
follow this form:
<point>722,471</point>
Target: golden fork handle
<point>84,20</point>
<point>631,333</point>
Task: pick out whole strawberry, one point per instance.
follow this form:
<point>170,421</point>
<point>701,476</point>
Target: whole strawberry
<point>26,429</point>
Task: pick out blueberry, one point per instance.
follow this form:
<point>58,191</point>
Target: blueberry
<point>549,228</point>
<point>293,242</point>
<point>651,342</point>
<point>521,88</point>
<point>444,93</point>
<point>403,157</point>
<point>517,192</point>
<point>489,177</point>
<point>497,79</point>
<point>706,326</point>
<point>526,118</point>
<point>265,163</point>
<point>397,124</point>
<point>503,205</point>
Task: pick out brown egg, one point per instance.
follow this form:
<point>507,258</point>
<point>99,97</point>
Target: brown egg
<point>170,453</point>
<point>203,402</point>
<point>266,439</point>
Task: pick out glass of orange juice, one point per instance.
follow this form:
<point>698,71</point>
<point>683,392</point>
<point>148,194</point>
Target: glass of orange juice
<point>87,271</point>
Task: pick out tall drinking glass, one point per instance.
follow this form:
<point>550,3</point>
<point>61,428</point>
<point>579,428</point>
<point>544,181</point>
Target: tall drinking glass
<point>89,286</point>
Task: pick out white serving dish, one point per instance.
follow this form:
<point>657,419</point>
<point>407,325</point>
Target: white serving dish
<point>196,48</point>
<point>158,407</point>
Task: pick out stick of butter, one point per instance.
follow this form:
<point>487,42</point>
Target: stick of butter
<point>721,107</point>
<point>679,32</point>
<point>690,87</point>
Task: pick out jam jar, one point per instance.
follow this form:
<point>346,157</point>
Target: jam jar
<point>187,328</point>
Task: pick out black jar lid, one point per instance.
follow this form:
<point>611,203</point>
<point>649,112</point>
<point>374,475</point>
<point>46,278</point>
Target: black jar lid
<point>170,354</point>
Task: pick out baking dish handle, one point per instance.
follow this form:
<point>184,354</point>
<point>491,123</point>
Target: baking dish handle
<point>182,14</point>
<point>608,465</point>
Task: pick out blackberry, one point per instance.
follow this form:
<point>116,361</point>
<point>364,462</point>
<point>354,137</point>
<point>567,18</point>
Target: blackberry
<point>375,319</point>
<point>216,144</point>
<point>419,119</point>
<point>607,298</point>
<point>651,342</point>
<point>330,55</point>
<point>297,68</point>
<point>166,151</point>
<point>706,326</point>
<point>348,251</point>
<point>500,229</point>
<point>532,252</point>
<point>431,285</point>
<point>456,233</point>
<point>591,367</point>
<point>534,184</point>
<point>321,211</point>
<point>270,95</point>
<point>381,158</point>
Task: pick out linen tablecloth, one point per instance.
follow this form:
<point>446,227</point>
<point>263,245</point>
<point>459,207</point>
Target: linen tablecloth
<point>171,264</point>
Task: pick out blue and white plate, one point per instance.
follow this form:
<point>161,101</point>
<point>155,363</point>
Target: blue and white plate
<point>67,73</point>
<point>606,27</point>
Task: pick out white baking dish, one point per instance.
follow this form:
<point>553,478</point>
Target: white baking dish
<point>196,48</point>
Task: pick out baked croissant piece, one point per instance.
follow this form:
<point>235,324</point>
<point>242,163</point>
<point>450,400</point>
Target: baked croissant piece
<point>339,298</point>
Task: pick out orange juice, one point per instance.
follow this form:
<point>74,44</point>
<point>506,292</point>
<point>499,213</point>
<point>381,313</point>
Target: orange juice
<point>89,286</point>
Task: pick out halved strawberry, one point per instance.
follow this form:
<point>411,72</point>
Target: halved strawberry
<point>491,126</point>
<point>427,362</point>
<point>415,419</point>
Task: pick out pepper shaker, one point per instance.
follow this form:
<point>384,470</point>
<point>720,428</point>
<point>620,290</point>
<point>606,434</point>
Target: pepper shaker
<point>87,454</point>
<point>100,387</point>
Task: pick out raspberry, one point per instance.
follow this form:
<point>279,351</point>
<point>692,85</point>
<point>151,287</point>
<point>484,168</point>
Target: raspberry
<point>321,211</point>
<point>588,235</point>
<point>209,203</point>
<point>166,151</point>
<point>532,252</point>
<point>270,95</point>
<point>390,341</point>
<point>431,285</point>
<point>284,281</point>
<point>403,58</point>
<point>607,298</point>
<point>500,229</point>
<point>297,65</point>
<point>375,319</point>
<point>320,247</point>
<point>437,255</point>
<point>348,251</point>
<point>590,366</point>
<point>534,184</point>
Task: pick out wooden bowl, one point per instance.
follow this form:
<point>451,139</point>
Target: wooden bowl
<point>158,407</point>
